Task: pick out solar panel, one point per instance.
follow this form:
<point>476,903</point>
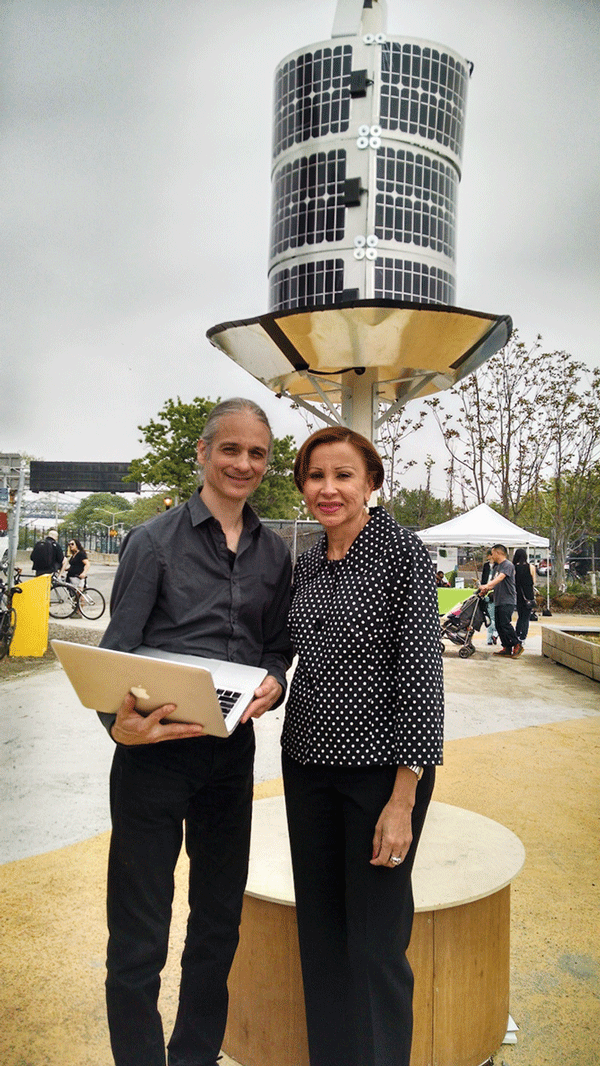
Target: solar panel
<point>408,279</point>
<point>423,93</point>
<point>367,161</point>
<point>313,282</point>
<point>415,200</point>
<point>308,201</point>
<point>312,96</point>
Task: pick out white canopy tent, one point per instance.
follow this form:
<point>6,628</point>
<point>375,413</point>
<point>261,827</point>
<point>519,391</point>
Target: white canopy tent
<point>482,526</point>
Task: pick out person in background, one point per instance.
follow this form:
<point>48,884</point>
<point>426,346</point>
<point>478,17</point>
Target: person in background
<point>440,580</point>
<point>204,578</point>
<point>487,572</point>
<point>505,601</point>
<point>524,581</point>
<point>362,735</point>
<point>75,568</point>
<point>76,564</point>
<point>47,555</point>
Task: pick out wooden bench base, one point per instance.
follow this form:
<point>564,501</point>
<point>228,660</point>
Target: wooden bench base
<point>459,950</point>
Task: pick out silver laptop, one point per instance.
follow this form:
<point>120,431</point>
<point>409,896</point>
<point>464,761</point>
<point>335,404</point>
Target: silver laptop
<point>208,692</point>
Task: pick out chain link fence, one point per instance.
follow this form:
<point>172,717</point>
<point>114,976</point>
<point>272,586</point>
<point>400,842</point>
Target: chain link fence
<point>298,535</point>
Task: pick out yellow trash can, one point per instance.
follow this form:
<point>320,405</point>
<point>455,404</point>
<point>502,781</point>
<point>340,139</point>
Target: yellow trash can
<point>31,605</point>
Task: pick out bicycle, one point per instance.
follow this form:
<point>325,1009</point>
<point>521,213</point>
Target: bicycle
<point>66,600</point>
<point>8,616</point>
<point>16,575</point>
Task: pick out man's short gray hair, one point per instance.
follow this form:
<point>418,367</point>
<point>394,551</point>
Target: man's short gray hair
<point>234,406</point>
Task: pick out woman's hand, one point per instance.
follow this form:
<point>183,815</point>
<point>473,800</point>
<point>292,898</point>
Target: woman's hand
<point>393,832</point>
<point>130,727</point>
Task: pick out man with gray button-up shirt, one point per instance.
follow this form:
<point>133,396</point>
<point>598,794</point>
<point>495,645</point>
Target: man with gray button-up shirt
<point>505,601</point>
<point>206,578</point>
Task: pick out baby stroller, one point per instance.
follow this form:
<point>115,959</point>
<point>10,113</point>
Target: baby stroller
<point>462,621</point>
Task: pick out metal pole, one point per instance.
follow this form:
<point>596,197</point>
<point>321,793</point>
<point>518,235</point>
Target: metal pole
<point>358,407</point>
<point>295,543</point>
<point>13,540</point>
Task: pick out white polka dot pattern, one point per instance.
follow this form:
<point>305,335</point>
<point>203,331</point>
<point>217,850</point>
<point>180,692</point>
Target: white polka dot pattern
<point>368,686</point>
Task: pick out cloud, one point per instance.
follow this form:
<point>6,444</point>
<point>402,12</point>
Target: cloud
<point>135,183</point>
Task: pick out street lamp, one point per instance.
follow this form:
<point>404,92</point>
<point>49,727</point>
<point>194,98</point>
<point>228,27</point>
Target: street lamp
<point>112,514</point>
<point>112,532</point>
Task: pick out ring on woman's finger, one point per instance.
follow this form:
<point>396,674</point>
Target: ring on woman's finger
<point>396,859</point>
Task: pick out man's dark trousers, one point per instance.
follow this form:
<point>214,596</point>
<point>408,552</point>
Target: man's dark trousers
<point>206,783</point>
<point>503,613</point>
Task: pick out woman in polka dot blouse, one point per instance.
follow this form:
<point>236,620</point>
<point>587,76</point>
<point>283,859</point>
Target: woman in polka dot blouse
<point>362,736</point>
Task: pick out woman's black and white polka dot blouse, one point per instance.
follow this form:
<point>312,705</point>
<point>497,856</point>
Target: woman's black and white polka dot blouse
<point>368,686</point>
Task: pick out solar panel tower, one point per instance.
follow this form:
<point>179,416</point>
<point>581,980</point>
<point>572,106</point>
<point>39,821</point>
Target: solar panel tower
<point>367,148</point>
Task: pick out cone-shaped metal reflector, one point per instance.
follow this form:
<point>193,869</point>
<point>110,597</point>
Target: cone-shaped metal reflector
<point>410,349</point>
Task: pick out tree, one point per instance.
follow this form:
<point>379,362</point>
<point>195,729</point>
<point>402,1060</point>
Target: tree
<point>494,425</point>
<point>527,433</point>
<point>145,507</point>
<point>396,429</point>
<point>573,437</point>
<point>171,440</point>
<point>277,495</point>
<point>171,460</point>
<point>419,508</point>
<point>93,512</point>
<point>566,504</point>
<point>568,518</point>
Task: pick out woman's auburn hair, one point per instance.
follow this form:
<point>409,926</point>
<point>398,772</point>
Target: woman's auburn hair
<point>339,435</point>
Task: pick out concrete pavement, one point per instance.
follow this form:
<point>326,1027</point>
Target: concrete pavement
<point>523,740</point>
<point>57,756</point>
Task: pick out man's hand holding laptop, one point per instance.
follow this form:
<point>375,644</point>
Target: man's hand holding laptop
<point>131,727</point>
<point>265,695</point>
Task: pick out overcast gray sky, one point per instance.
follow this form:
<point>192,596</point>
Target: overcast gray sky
<point>135,194</point>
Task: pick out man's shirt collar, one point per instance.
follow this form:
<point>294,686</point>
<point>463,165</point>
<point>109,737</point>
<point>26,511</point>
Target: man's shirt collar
<point>200,513</point>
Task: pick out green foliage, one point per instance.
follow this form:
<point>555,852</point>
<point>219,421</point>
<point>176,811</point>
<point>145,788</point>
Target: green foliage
<point>144,508</point>
<point>527,433</point>
<point>565,509</point>
<point>171,462</point>
<point>277,495</point>
<point>419,508</point>
<point>171,441</point>
<point>95,511</point>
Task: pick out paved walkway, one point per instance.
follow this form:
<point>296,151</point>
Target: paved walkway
<point>523,740</point>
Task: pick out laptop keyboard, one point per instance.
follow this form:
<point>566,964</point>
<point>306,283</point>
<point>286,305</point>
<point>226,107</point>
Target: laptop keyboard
<point>227,699</point>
